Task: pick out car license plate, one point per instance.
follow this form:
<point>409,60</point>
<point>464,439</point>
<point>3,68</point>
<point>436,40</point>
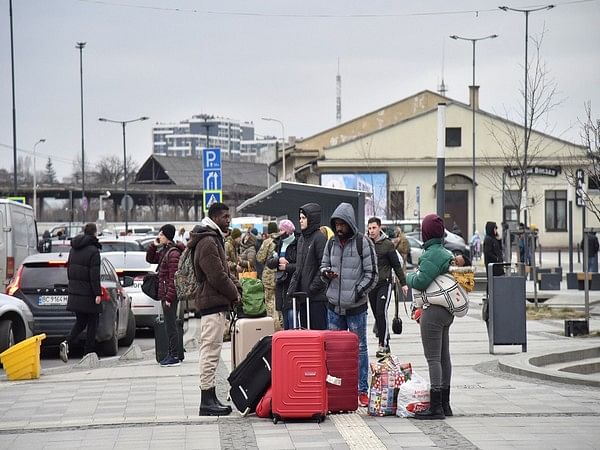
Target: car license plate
<point>52,300</point>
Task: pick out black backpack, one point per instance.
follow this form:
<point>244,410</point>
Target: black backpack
<point>359,244</point>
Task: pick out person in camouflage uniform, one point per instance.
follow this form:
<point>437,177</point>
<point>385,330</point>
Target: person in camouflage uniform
<point>232,245</point>
<point>268,276</point>
<point>232,253</point>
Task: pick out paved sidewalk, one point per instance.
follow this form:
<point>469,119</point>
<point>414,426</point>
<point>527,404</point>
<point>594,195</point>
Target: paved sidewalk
<point>141,405</point>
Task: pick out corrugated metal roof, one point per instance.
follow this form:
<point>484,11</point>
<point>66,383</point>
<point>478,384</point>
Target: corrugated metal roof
<point>187,171</point>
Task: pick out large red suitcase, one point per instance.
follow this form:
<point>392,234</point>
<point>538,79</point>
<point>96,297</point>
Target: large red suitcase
<point>299,373</point>
<point>341,353</point>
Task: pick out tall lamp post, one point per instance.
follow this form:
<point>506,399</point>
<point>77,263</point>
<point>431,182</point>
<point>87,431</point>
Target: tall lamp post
<point>123,123</point>
<point>14,109</point>
<point>270,119</point>
<point>525,111</point>
<point>41,141</point>
<point>473,42</point>
<point>80,46</point>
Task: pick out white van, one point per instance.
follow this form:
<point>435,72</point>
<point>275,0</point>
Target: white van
<point>18,237</point>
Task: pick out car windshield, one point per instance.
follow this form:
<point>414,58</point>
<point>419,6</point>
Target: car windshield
<point>44,276</point>
<point>119,246</point>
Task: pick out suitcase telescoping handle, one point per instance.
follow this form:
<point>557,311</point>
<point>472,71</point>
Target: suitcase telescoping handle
<point>295,311</point>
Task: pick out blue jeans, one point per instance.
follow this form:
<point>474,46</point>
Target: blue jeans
<point>358,325</point>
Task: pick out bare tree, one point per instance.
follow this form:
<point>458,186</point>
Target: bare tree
<point>511,139</point>
<point>110,170</point>
<point>587,161</point>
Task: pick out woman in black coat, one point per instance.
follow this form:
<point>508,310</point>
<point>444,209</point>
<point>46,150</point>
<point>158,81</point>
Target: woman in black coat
<point>84,289</point>
<point>284,260</point>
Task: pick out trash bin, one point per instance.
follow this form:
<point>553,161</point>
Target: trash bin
<point>22,360</point>
<point>507,324</point>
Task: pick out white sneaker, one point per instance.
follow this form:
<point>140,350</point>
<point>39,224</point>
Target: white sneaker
<point>63,351</point>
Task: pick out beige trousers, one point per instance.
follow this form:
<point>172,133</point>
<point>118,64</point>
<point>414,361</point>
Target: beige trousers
<point>211,341</point>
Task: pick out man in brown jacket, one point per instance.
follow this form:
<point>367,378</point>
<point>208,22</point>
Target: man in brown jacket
<point>218,291</point>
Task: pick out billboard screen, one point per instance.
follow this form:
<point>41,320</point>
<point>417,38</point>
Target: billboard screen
<point>374,183</point>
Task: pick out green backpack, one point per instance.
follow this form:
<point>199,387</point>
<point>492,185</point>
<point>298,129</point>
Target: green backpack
<point>253,298</point>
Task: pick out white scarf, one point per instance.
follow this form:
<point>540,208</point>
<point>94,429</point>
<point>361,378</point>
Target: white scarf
<point>208,222</point>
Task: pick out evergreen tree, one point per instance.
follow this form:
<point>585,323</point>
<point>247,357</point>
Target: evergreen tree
<point>50,173</point>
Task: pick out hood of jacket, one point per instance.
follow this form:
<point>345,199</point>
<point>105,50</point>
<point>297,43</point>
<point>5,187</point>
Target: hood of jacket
<point>489,229</point>
<point>312,211</point>
<point>248,240</point>
<point>83,240</point>
<point>345,212</point>
<point>201,232</point>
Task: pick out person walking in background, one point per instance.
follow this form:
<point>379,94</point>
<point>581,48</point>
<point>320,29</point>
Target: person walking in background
<point>306,277</point>
<point>475,245</point>
<point>434,320</point>
<point>165,253</point>
<point>379,297</point>
<point>492,250</point>
<point>266,251</point>
<point>284,261</point>
<point>592,251</point>
<point>182,236</point>
<point>349,266</point>
<point>247,258</point>
<point>402,246</point>
<point>219,290</point>
<point>83,270</point>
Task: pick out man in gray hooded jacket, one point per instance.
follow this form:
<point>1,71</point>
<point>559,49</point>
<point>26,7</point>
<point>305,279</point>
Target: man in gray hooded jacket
<point>351,272</point>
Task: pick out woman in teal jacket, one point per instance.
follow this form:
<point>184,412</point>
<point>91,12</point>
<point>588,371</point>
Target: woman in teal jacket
<point>435,320</point>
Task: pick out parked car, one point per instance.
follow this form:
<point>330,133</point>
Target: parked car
<point>146,241</point>
<point>451,241</point>
<point>134,265</point>
<point>16,321</point>
<point>119,244</point>
<point>18,237</point>
<point>42,283</point>
<point>416,250</point>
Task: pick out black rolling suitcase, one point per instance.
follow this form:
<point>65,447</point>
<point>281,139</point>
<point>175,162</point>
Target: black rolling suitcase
<point>252,377</point>
<point>161,340</point>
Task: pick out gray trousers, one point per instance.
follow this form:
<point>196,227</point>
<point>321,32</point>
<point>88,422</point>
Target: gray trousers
<point>435,324</point>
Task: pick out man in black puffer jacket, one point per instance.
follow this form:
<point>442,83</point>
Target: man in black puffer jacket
<point>84,289</point>
<point>307,278</point>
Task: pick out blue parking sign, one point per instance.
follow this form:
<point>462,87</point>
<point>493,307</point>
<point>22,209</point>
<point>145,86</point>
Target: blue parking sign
<point>211,158</point>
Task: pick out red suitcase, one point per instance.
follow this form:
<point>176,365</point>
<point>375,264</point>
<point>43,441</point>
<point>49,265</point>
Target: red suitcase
<point>299,373</point>
<point>341,354</point>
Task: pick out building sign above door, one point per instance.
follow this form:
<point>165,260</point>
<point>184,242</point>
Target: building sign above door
<point>546,171</point>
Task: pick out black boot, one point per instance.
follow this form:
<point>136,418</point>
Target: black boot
<point>435,410</point>
<point>210,406</point>
<point>446,402</point>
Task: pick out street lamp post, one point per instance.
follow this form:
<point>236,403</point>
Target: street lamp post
<point>80,46</point>
<point>525,111</point>
<point>123,123</point>
<point>270,119</point>
<point>41,141</point>
<point>14,109</point>
<point>474,41</point>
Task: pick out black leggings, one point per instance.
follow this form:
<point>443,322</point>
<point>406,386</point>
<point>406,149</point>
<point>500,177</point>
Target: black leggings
<point>380,302</point>
<point>435,324</point>
<point>88,322</point>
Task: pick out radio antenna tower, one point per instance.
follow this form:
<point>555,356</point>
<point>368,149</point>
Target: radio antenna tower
<point>338,95</point>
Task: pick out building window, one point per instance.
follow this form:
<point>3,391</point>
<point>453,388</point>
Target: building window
<point>556,210</point>
<point>593,182</point>
<point>396,206</point>
<point>453,137</point>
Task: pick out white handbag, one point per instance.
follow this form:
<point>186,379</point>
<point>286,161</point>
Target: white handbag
<point>444,291</point>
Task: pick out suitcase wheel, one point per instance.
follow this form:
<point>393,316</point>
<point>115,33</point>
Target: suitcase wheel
<point>275,419</point>
<point>319,418</point>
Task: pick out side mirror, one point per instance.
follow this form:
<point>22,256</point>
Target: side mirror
<point>127,281</point>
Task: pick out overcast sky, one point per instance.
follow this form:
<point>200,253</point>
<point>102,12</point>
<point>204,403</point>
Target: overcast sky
<point>146,58</point>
